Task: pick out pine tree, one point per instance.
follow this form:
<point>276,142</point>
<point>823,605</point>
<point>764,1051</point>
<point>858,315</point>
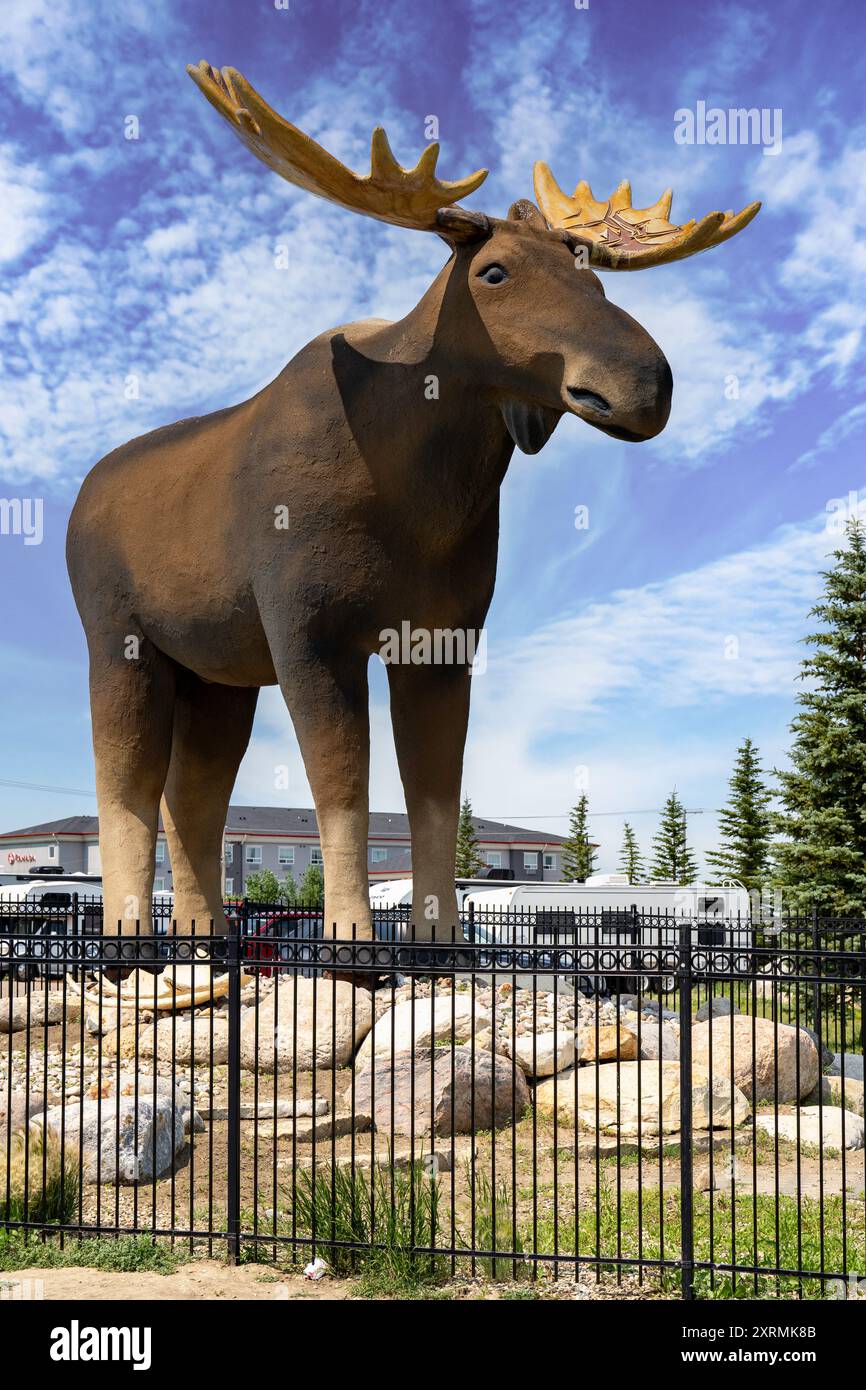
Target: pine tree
<point>468,862</point>
<point>672,856</point>
<point>578,854</point>
<point>821,857</point>
<point>631,860</point>
<point>745,824</point>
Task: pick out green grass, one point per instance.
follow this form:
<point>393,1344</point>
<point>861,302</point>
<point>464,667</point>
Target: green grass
<point>370,1225</point>
<point>744,1231</point>
<point>495,1229</point>
<point>124,1255</point>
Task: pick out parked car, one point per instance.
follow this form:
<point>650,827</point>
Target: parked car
<point>273,938</point>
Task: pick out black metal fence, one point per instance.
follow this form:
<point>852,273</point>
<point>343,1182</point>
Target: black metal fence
<point>631,1097</point>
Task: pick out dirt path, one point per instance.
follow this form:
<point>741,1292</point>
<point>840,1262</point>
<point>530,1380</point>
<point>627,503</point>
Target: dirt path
<point>202,1279</point>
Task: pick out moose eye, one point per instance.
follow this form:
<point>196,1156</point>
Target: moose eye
<point>493,274</point>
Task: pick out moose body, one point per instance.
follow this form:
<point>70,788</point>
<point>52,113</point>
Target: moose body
<point>276,541</point>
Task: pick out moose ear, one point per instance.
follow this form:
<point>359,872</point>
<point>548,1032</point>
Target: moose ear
<point>525,211</point>
<point>459,225</point>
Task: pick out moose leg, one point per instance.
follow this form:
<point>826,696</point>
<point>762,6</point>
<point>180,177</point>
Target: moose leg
<point>131,703</point>
<point>328,705</point>
<point>212,725</point>
<point>429,715</point>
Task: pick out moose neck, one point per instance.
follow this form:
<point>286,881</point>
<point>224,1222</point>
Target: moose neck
<point>428,428</point>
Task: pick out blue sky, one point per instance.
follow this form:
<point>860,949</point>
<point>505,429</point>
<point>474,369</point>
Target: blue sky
<point>635,653</point>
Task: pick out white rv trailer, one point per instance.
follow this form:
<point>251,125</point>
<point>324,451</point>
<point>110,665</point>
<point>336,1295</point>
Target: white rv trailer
<point>608,911</point>
<point>42,913</point>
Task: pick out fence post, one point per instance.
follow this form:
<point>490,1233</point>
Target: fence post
<point>687,1233</point>
<point>77,972</point>
<point>233,1165</point>
<point>816,972</point>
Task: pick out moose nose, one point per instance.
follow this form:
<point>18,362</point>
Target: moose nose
<point>645,413</point>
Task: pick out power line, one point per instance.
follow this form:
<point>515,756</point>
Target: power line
<point>42,787</point>
<point>647,811</point>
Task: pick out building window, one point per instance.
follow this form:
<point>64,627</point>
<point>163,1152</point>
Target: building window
<point>493,858</point>
<point>550,861</point>
<point>317,858</point>
<point>286,855</point>
<point>530,862</point>
<point>228,851</point>
<point>230,887</point>
<point>52,849</point>
<point>378,856</point>
<point>159,885</point>
<point>160,851</point>
<point>253,854</point>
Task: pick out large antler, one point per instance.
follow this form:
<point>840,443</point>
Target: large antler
<point>405,197</point>
<point>620,237</point>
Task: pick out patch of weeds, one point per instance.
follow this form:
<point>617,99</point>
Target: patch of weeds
<point>42,1185</point>
<point>124,1254</point>
<point>371,1225</point>
<point>496,1230</point>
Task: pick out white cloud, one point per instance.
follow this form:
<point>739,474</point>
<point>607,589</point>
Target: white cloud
<point>851,422</point>
<point>25,207</point>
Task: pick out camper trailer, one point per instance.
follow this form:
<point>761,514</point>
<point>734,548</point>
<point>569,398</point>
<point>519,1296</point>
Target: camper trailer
<point>42,915</point>
<point>581,919</point>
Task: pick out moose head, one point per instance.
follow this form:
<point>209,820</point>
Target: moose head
<point>541,339</point>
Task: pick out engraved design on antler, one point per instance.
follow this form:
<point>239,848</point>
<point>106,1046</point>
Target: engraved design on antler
<point>390,193</point>
<point>620,237</point>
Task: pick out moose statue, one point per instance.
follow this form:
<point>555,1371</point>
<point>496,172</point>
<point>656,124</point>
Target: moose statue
<point>274,541</point>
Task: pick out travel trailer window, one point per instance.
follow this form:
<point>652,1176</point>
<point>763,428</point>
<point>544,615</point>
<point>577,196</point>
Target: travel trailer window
<point>55,900</point>
<point>615,921</point>
<point>551,923</point>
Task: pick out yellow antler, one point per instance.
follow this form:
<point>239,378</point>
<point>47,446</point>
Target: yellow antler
<point>404,197</point>
<point>620,237</point>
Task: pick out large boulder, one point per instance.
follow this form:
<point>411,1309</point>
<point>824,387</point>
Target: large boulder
<point>658,1039</point>
<point>606,1043</point>
<point>837,1090</point>
<point>142,1086</point>
<point>848,1064</point>
<point>717,1007</point>
<point>37,1010</point>
<point>21,1109</point>
<point>183,1038</point>
<point>120,1141</point>
<point>631,1099</point>
<point>301,1023</point>
<point>442,1091</point>
<point>422,1023</point>
<point>543,1054</point>
<point>826,1053</point>
<point>764,1055</point>
<point>828,1127</point>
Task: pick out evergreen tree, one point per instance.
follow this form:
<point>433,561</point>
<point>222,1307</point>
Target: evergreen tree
<point>821,857</point>
<point>631,860</point>
<point>262,887</point>
<point>745,824</point>
<point>578,854</point>
<point>469,862</point>
<point>672,856</point>
<point>312,890</point>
